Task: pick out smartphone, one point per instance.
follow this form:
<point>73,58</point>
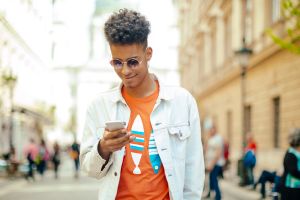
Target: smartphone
<point>115,125</point>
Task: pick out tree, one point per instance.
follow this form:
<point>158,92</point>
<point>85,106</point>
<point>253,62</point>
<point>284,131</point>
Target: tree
<point>291,15</point>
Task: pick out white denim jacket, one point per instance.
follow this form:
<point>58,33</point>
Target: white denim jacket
<point>176,128</point>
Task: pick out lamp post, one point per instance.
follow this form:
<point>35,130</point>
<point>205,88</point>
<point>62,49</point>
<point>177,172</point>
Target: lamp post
<point>243,56</point>
<point>9,80</point>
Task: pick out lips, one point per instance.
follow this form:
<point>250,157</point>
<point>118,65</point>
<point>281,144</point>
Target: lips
<point>129,77</point>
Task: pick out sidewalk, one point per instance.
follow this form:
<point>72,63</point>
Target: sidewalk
<point>7,185</point>
<point>231,189</point>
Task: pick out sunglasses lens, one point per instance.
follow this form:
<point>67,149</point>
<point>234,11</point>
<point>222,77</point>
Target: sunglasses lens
<point>116,63</point>
<point>132,63</point>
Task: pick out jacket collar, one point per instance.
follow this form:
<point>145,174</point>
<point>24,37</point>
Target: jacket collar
<point>164,92</point>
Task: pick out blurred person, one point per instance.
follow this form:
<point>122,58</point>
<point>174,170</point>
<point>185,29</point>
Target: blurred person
<point>159,154</point>
<point>13,162</point>
<point>226,156</point>
<point>31,151</point>
<point>290,181</point>
<point>42,158</point>
<point>249,160</point>
<point>268,177</point>
<point>75,149</point>
<point>56,158</point>
<point>214,161</point>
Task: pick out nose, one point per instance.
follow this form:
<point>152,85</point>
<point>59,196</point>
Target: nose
<point>125,69</point>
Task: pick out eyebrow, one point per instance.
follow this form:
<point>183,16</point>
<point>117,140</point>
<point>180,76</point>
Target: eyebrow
<point>126,58</point>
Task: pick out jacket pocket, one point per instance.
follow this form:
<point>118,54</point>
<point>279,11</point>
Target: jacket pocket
<point>178,137</point>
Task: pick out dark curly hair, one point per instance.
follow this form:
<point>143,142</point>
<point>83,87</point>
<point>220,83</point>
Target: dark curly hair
<point>127,27</point>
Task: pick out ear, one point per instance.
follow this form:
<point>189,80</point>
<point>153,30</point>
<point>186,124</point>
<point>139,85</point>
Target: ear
<point>149,52</point>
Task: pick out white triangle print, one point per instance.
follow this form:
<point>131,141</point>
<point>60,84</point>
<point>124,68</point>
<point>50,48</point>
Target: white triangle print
<point>138,124</point>
<point>136,159</point>
<point>138,130</point>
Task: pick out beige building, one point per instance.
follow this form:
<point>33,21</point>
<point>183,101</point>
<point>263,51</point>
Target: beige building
<point>211,31</point>
<point>25,40</point>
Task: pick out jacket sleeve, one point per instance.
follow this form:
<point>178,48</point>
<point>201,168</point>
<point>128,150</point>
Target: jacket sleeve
<point>290,163</point>
<point>91,161</point>
<point>194,169</point>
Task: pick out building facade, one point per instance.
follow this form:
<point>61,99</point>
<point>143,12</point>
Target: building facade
<point>25,41</point>
<point>211,32</point>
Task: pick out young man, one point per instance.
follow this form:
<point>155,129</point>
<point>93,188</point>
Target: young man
<point>159,153</point>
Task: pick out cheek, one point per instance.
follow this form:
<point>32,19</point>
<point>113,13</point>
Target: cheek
<point>118,73</point>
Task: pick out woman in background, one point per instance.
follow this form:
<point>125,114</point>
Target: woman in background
<point>291,175</point>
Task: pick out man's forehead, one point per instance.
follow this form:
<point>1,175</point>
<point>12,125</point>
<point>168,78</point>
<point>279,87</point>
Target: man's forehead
<point>125,51</point>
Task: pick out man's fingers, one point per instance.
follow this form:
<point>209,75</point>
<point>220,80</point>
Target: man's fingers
<point>118,143</point>
<point>114,134</point>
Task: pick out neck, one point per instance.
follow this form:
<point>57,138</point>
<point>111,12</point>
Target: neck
<point>145,89</point>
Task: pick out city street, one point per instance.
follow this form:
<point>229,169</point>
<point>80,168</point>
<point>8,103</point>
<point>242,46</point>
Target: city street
<point>64,188</point>
<point>231,191</point>
<point>69,188</point>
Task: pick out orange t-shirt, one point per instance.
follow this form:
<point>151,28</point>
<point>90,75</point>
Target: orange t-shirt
<point>142,173</point>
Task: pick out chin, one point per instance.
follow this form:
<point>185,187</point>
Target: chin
<point>129,83</point>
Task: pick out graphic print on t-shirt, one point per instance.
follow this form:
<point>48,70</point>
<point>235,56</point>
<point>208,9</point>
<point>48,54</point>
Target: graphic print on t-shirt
<point>137,146</point>
<point>153,154</point>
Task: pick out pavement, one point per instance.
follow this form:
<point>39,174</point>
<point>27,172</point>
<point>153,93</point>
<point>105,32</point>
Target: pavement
<point>66,187</point>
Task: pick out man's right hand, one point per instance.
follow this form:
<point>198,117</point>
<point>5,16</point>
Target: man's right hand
<point>113,141</point>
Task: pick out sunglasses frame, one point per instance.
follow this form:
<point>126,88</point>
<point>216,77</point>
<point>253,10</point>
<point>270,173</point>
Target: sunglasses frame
<point>126,62</point>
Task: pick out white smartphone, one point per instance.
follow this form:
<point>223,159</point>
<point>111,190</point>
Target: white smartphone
<point>115,125</point>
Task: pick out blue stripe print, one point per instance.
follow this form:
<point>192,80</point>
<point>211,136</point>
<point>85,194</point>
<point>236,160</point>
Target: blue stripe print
<point>137,132</point>
<point>136,148</point>
<point>138,140</point>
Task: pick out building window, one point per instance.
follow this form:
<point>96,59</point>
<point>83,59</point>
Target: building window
<point>248,119</point>
<point>200,72</point>
<point>228,39</point>
<point>276,121</point>
<point>247,20</point>
<point>213,49</point>
<point>229,126</point>
<point>276,9</point>
<point>273,11</point>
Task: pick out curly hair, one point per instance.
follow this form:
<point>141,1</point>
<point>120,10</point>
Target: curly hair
<point>127,27</point>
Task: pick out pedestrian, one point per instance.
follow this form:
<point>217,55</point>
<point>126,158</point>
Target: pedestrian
<point>214,161</point>
<point>268,177</point>
<point>158,155</point>
<point>13,162</point>
<point>75,150</point>
<point>31,151</point>
<point>249,159</point>
<point>290,181</point>
<point>56,158</point>
<point>42,158</point>
<point>226,152</point>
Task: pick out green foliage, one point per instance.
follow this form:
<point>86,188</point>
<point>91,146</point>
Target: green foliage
<point>8,79</point>
<point>291,14</point>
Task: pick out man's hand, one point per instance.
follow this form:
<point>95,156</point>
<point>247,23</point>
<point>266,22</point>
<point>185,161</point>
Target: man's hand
<point>113,141</point>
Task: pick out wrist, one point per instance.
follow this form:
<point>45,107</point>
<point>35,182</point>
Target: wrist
<point>102,152</point>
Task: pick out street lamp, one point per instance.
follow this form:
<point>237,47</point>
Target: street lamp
<point>243,56</point>
<point>9,80</point>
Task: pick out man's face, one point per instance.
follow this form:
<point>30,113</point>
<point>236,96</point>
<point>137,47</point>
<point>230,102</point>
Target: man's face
<point>131,76</point>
